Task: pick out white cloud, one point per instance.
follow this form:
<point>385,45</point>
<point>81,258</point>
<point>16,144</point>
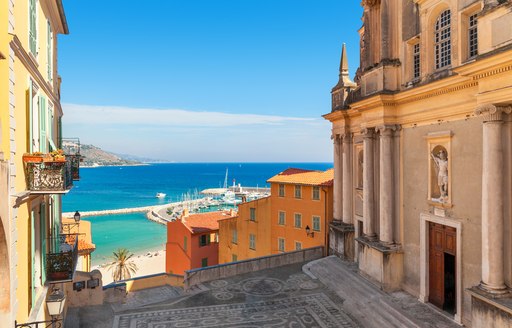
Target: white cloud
<point>107,115</point>
<point>180,135</point>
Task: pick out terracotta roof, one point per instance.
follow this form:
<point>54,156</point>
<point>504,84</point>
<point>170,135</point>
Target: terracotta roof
<point>205,222</point>
<point>84,246</point>
<point>304,177</point>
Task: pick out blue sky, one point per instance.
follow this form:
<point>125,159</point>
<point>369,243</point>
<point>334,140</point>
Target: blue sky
<point>205,80</point>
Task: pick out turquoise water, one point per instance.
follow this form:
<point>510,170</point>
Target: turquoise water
<point>133,186</point>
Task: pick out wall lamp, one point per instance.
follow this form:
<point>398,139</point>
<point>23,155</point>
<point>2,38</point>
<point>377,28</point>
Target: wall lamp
<point>309,233</point>
<point>76,216</point>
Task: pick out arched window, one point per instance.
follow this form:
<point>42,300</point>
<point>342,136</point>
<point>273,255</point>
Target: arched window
<point>443,48</point>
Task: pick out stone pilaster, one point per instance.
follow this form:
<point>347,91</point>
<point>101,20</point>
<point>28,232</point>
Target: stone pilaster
<point>492,197</point>
<point>368,184</point>
<point>338,179</point>
<point>386,194</point>
<point>348,189</point>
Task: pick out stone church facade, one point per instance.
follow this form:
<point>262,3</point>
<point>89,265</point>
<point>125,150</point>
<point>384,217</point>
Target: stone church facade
<point>423,155</point>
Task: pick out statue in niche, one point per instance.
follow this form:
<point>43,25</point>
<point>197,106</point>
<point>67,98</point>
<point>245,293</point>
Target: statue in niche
<point>440,159</point>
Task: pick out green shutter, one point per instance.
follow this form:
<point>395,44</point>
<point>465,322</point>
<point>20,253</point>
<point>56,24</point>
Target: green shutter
<point>32,255</point>
<point>30,119</point>
<point>33,27</point>
<point>43,121</point>
<point>43,242</point>
<point>49,45</point>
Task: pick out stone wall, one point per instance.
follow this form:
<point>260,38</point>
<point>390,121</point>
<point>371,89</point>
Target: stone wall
<point>197,276</point>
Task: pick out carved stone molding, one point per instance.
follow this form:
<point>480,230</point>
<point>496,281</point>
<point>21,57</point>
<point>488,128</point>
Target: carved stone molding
<point>367,132</point>
<point>371,3</point>
<point>347,137</point>
<point>387,130</point>
<point>492,113</point>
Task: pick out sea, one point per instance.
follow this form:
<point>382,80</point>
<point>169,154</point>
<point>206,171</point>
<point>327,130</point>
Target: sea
<point>115,187</point>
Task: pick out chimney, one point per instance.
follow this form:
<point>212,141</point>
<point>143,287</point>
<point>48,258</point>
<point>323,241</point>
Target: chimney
<point>231,212</point>
<point>184,215</point>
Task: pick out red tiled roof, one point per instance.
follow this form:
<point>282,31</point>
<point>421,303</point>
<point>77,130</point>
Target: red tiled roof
<point>205,222</point>
<point>304,177</point>
<point>84,246</point>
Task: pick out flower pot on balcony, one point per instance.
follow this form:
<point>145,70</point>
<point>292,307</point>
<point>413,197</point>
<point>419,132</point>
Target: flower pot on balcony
<point>32,158</point>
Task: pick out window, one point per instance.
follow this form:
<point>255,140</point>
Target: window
<point>316,193</point>
<point>316,223</point>
<point>443,44</point>
<point>472,36</point>
<point>298,245</point>
<point>185,243</point>
<point>204,240</point>
<point>252,214</point>
<point>282,218</point>
<point>281,190</point>
<point>32,33</point>
<point>204,262</point>
<point>280,244</point>
<point>252,241</point>
<point>234,258</point>
<point>416,60</point>
<point>298,192</point>
<point>298,220</point>
<point>234,237</point>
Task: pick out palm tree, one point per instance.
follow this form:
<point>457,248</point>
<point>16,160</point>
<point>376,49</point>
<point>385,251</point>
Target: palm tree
<point>122,265</point>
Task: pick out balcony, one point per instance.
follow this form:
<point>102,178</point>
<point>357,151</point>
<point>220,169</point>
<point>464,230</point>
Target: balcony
<point>61,258</point>
<point>71,148</point>
<point>49,177</point>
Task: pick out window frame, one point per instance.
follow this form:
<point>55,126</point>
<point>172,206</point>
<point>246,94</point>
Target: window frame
<point>472,31</point>
<point>252,214</point>
<point>281,190</point>
<point>319,219</point>
<point>234,236</point>
<point>299,244</point>
<point>204,262</point>
<point>314,190</point>
<point>279,222</point>
<point>443,40</point>
<point>298,192</point>
<point>299,217</point>
<point>281,242</point>
<point>207,240</point>
<point>185,243</point>
<point>252,241</point>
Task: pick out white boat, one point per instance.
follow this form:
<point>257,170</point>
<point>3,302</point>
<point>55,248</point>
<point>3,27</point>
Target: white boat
<point>160,195</point>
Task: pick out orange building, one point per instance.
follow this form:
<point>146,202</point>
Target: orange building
<point>246,235</point>
<point>192,241</point>
<point>295,216</point>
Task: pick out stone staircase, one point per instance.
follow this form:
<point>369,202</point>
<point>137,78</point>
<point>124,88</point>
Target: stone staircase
<point>369,305</point>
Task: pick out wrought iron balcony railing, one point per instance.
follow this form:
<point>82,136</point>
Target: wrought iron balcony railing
<point>61,258</point>
<point>49,177</point>
<point>71,147</point>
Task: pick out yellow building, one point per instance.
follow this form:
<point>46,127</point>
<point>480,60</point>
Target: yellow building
<point>246,235</point>
<point>423,155</point>
<point>294,217</point>
<point>31,244</point>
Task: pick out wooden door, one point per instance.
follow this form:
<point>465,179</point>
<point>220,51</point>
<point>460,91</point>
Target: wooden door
<point>442,239</point>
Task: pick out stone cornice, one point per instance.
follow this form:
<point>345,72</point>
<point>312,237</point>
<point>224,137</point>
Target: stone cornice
<point>32,69</point>
<point>493,113</point>
<point>370,3</point>
<point>487,66</point>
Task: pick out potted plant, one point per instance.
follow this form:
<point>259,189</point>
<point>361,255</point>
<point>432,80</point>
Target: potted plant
<point>55,156</point>
<point>35,157</point>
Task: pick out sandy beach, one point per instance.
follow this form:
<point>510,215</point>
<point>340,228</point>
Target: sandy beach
<point>147,263</point>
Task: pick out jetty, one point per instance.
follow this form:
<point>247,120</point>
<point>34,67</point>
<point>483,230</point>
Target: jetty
<point>155,213</point>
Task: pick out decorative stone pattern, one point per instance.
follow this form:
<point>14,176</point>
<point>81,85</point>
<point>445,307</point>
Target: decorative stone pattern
<point>315,310</point>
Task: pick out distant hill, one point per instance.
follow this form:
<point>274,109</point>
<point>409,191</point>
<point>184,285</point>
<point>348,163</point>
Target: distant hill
<point>95,156</point>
